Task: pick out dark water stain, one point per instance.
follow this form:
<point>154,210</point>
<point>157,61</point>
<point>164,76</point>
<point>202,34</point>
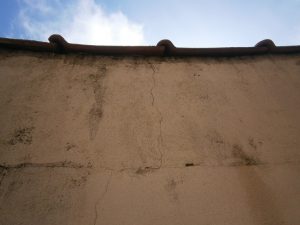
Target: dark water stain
<point>95,115</point>
<point>78,181</point>
<point>69,146</point>
<point>14,186</point>
<point>22,136</point>
<point>254,144</point>
<point>243,158</point>
<point>79,59</point>
<point>144,170</point>
<point>171,189</point>
<point>215,138</point>
<point>260,199</point>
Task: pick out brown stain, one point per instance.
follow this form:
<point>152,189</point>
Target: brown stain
<point>22,136</point>
<point>75,60</point>
<point>4,55</point>
<point>144,170</point>
<point>243,158</point>
<point>254,144</point>
<point>78,181</point>
<point>195,75</point>
<point>171,189</point>
<point>215,138</point>
<point>134,63</point>
<point>259,197</point>
<point>69,146</point>
<point>219,148</point>
<point>13,186</point>
<point>96,113</point>
<point>261,200</point>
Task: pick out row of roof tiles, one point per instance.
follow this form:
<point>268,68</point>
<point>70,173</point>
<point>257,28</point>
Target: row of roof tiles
<point>163,48</point>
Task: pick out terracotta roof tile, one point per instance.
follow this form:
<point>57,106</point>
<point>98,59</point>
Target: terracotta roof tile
<point>164,48</point>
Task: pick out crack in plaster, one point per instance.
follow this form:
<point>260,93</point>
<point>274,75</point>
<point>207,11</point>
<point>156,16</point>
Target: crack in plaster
<point>144,170</point>
<point>3,174</point>
<point>62,164</point>
<point>96,112</point>
<point>159,138</point>
<point>101,198</point>
<point>68,164</point>
<point>153,83</point>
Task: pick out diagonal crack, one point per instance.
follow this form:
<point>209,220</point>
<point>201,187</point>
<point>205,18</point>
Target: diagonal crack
<point>101,198</point>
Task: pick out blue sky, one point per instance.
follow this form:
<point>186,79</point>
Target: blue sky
<point>187,23</point>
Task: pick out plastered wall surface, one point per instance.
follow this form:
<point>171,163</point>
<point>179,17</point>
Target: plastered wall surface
<point>132,140</point>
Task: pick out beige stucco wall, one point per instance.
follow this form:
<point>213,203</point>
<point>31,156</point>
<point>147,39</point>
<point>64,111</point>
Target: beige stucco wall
<point>101,140</point>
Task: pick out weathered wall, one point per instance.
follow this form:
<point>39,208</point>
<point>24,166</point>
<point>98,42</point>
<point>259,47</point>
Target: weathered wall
<point>101,140</point>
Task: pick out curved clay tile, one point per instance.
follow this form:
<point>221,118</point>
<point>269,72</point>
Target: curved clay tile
<point>169,46</point>
<point>58,41</point>
<point>268,43</point>
<point>163,48</point>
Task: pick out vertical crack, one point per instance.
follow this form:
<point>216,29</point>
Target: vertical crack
<point>153,82</point>
<point>160,141</point>
<point>101,198</point>
<point>3,174</point>
<point>159,138</point>
<point>96,111</point>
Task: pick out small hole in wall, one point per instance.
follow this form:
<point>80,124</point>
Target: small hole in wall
<point>189,164</point>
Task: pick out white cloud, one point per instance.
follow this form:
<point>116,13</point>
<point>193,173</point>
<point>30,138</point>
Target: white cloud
<point>38,5</point>
<point>83,22</point>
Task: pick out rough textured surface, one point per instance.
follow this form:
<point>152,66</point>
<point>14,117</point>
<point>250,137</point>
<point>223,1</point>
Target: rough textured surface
<point>102,140</point>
